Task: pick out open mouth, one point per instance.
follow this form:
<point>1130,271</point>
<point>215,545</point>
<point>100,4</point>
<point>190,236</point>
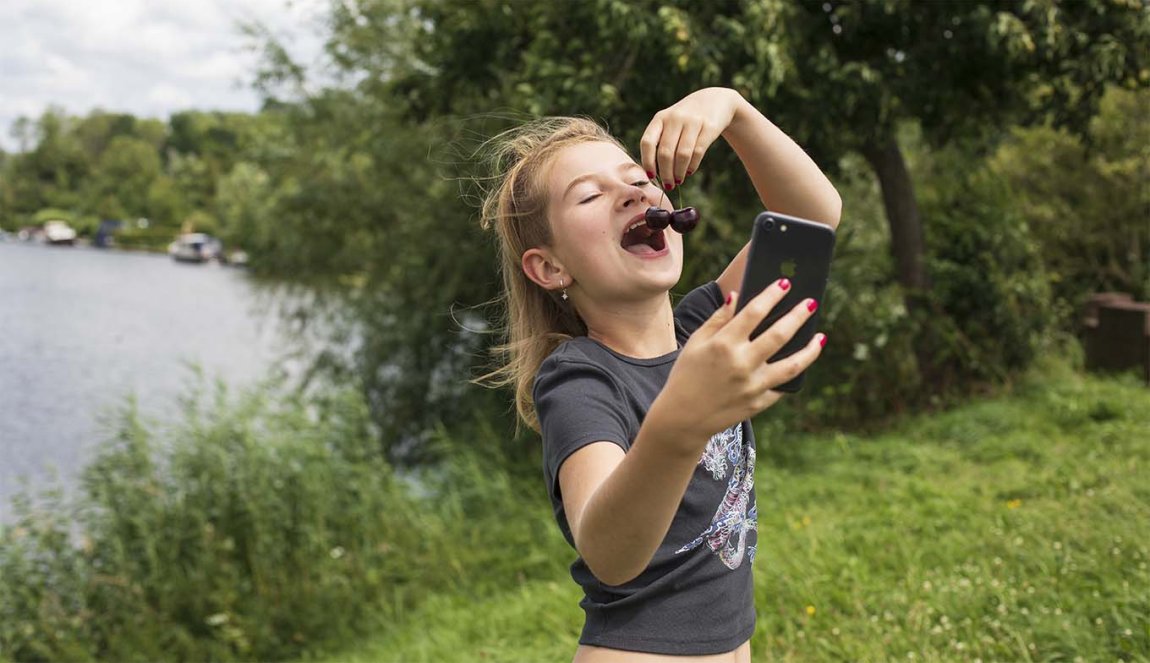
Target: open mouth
<point>643,240</point>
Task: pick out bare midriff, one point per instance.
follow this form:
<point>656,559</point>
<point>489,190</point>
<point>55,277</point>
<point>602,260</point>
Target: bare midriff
<point>589,654</point>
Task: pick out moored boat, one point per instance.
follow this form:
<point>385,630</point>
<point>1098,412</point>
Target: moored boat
<point>195,247</point>
<point>59,233</point>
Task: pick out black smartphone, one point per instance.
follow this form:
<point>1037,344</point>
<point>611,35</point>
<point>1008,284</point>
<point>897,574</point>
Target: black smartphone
<point>800,250</point>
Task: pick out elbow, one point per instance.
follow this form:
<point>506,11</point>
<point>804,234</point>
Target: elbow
<point>834,208</point>
<point>613,577</point>
<point>610,572</point>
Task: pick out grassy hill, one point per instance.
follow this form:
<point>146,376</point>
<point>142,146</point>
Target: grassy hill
<point>1012,528</point>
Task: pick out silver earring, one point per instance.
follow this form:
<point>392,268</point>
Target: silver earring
<point>564,290</point>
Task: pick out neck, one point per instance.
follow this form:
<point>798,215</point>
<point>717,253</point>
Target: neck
<point>642,330</point>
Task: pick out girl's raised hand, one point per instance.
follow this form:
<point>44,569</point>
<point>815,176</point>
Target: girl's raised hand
<point>677,137</point>
<point>722,376</point>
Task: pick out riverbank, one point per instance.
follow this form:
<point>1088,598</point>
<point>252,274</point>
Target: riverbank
<point>1010,528</point>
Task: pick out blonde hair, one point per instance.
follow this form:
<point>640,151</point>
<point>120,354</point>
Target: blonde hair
<point>515,207</point>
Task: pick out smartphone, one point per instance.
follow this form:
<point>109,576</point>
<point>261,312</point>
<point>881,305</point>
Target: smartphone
<point>800,250</point>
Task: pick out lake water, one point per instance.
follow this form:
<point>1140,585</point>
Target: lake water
<point>82,328</point>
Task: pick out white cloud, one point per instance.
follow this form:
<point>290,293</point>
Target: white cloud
<point>147,58</point>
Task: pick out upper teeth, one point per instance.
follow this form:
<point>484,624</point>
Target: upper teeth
<point>635,225</point>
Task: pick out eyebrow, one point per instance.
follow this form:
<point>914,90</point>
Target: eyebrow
<point>582,178</point>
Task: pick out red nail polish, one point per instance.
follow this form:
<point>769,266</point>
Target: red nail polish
<point>678,181</point>
<point>690,172</point>
<point>784,284</point>
<point>668,186</point>
<point>730,296</point>
<point>812,306</point>
<point>823,341</point>
<point>650,175</point>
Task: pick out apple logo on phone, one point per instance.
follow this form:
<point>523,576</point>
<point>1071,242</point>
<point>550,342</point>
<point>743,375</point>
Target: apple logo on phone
<point>788,268</point>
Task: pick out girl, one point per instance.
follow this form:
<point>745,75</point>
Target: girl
<point>643,407</point>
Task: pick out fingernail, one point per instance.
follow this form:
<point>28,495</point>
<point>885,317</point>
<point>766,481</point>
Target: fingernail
<point>689,172</point>
<point>823,341</point>
<point>668,186</point>
<point>812,305</point>
<point>650,175</point>
<point>678,181</point>
<point>730,296</point>
<point>784,284</point>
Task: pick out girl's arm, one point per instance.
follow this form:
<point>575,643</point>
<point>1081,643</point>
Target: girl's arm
<point>620,506</point>
<point>786,179</point>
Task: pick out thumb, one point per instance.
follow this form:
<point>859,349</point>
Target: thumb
<point>721,316</point>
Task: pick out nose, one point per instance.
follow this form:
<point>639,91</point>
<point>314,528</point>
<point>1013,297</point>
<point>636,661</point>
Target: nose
<point>633,195</point>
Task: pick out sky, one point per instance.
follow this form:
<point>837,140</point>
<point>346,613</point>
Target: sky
<point>145,57</point>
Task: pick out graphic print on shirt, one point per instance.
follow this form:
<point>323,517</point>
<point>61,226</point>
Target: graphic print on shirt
<point>733,519</point>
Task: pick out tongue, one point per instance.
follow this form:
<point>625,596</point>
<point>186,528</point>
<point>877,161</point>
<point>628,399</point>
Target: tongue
<point>641,248</point>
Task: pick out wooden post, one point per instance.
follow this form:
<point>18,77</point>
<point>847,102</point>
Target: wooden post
<point>1116,334</point>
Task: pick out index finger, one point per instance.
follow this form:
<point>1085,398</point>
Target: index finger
<point>649,142</point>
<point>756,310</point>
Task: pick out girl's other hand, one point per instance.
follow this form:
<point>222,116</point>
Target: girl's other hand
<point>677,137</point>
<point>722,377</point>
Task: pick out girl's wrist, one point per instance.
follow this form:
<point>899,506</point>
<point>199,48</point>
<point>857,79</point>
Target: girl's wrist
<point>677,433</point>
<point>744,112</point>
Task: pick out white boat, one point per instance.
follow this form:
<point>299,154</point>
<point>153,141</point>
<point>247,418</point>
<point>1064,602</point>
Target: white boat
<point>195,247</point>
<point>59,232</point>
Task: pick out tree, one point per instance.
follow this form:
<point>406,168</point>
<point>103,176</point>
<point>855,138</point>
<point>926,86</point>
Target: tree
<point>839,76</point>
<point>965,69</point>
<point>125,172</point>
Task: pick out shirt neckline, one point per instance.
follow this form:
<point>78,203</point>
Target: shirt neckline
<point>648,361</point>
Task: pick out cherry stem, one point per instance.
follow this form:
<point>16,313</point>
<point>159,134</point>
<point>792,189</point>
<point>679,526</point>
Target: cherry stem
<point>663,191</point>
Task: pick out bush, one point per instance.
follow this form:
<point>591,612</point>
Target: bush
<point>258,529</point>
<point>992,305</point>
<point>1087,201</point>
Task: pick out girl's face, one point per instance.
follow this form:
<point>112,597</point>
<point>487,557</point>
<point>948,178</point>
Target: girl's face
<point>597,192</point>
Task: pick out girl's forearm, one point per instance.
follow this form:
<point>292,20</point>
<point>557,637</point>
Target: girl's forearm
<point>786,179</point>
<point>628,516</point>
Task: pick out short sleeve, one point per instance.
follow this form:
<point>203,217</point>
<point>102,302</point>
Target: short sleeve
<point>577,403</point>
<point>697,306</point>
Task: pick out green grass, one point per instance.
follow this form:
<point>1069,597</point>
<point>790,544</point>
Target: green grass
<point>1013,528</point>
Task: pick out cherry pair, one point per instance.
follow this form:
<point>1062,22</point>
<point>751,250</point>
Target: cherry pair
<point>681,220</point>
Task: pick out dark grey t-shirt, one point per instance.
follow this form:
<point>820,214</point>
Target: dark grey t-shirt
<point>695,596</point>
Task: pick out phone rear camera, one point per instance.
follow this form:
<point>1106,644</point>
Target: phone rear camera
<point>769,225</point>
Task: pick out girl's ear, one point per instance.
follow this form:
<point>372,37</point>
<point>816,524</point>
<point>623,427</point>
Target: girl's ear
<point>541,266</point>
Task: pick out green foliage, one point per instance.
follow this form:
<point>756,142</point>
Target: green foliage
<point>116,166</point>
<point>837,76</point>
<point>261,528</point>
<point>991,288</point>
<point>1087,201</point>
<point>51,214</point>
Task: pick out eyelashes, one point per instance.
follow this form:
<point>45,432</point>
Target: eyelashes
<point>638,183</point>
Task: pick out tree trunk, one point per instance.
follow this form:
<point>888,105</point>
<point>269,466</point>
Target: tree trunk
<point>908,246</point>
<point>906,236</point>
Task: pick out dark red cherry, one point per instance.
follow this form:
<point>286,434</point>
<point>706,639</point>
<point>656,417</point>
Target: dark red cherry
<point>657,218</point>
<point>684,220</point>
